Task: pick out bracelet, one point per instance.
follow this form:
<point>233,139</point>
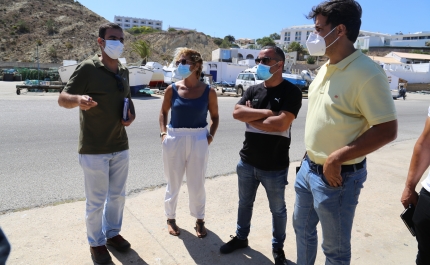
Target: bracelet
<point>162,134</point>
<point>211,136</point>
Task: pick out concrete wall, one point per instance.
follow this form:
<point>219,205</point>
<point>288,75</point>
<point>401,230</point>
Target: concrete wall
<point>10,65</point>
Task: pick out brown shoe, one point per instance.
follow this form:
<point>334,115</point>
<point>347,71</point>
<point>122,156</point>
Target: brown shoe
<point>172,227</point>
<point>119,243</point>
<point>201,229</point>
<point>100,255</point>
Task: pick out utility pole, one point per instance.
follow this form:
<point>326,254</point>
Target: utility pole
<point>37,57</point>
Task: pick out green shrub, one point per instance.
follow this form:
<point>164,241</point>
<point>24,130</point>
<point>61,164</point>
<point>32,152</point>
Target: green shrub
<point>23,27</point>
<point>52,51</point>
<point>310,60</point>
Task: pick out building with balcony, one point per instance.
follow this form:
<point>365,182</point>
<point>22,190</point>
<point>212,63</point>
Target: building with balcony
<point>129,22</point>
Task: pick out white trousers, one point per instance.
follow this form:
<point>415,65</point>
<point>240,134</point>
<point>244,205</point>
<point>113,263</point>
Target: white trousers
<point>105,177</point>
<point>185,151</point>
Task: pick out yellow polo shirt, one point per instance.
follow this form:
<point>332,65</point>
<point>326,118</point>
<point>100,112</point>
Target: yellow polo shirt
<point>345,99</point>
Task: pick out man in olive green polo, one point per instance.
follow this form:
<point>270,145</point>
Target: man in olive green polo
<point>99,87</point>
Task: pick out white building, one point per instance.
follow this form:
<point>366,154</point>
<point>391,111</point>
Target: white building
<point>234,54</point>
<point>295,34</point>
<point>365,40</point>
<point>129,22</point>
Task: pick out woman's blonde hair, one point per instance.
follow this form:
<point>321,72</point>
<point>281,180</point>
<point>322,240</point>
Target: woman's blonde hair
<point>194,56</point>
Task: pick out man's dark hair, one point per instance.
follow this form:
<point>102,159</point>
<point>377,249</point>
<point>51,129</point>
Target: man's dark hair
<point>104,27</point>
<point>279,53</point>
<point>346,12</point>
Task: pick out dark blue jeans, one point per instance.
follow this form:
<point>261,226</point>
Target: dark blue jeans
<point>274,183</point>
<point>4,248</point>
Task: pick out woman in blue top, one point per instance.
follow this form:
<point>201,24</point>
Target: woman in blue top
<point>186,138</point>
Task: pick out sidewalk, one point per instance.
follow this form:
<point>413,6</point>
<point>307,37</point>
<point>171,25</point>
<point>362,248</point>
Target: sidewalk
<point>57,235</point>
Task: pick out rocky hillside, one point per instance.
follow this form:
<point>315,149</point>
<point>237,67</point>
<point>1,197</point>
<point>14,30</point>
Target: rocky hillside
<point>66,30</point>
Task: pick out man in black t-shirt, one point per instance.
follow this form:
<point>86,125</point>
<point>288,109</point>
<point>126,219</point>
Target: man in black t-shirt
<point>268,110</point>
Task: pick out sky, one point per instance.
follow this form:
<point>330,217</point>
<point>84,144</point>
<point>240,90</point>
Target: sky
<point>255,19</point>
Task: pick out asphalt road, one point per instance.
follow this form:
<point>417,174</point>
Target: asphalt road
<point>38,143</point>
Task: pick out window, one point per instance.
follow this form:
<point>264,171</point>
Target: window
<point>307,34</point>
<point>249,56</point>
<point>158,28</point>
<point>127,25</point>
<point>422,37</point>
<point>118,19</point>
<point>414,38</point>
<point>406,38</point>
<point>298,36</point>
<point>240,76</point>
<point>158,24</point>
<point>287,36</point>
<point>150,23</point>
<point>127,20</point>
<point>246,77</point>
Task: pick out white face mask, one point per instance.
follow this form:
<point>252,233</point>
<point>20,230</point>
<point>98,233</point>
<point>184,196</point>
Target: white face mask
<point>113,48</point>
<point>316,44</point>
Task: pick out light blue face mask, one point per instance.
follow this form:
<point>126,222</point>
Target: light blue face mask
<point>184,70</point>
<point>263,71</point>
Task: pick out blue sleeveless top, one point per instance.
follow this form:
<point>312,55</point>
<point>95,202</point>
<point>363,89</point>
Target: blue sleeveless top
<point>189,113</point>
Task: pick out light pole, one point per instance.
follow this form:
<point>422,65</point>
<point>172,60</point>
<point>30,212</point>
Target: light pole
<point>37,57</point>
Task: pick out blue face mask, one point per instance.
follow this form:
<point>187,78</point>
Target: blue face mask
<point>263,71</point>
<point>184,70</point>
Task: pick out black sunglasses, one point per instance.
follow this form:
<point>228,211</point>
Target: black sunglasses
<point>264,60</point>
<point>183,62</point>
<point>119,83</point>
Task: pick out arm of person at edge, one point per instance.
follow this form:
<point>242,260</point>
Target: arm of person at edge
<point>131,114</point>
<point>69,101</point>
<point>419,163</point>
<point>164,112</point>
<point>374,138</point>
<point>213,111</point>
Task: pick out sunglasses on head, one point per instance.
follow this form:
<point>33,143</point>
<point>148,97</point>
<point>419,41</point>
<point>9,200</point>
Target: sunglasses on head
<point>183,62</point>
<point>264,60</point>
<point>119,83</point>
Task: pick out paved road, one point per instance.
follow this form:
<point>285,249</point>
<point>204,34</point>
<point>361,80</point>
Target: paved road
<point>38,140</point>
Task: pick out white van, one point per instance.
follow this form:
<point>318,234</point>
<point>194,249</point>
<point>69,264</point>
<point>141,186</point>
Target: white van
<point>245,80</point>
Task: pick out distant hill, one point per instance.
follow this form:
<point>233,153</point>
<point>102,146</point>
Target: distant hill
<point>67,30</point>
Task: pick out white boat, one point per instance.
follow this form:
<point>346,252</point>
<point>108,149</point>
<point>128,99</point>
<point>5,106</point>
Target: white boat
<point>170,75</point>
<point>139,76</point>
<point>157,79</point>
<point>67,70</point>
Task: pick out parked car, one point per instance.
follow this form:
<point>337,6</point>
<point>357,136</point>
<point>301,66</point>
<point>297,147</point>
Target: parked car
<point>245,80</point>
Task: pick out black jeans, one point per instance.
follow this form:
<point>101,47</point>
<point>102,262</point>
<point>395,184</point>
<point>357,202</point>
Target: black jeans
<point>421,221</point>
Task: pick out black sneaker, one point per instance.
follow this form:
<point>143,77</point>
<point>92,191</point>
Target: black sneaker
<point>100,255</point>
<point>119,243</point>
<point>279,256</point>
<point>233,244</point>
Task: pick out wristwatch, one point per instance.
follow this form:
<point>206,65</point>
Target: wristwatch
<point>162,133</point>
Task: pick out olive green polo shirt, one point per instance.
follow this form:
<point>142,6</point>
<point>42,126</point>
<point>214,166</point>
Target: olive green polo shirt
<point>101,131</point>
<point>344,100</point>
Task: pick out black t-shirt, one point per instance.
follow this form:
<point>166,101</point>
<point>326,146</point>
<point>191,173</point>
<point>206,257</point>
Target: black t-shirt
<point>269,150</point>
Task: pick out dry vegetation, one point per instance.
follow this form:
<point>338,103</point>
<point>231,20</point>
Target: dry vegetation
<point>67,30</point>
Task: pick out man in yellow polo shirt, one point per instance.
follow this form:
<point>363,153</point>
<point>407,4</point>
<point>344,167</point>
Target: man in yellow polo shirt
<point>350,114</point>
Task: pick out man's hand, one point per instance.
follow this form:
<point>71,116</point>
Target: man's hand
<point>131,118</point>
<point>85,102</point>
<point>331,171</point>
<point>409,196</point>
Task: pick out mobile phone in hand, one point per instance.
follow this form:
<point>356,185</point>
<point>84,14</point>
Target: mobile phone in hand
<point>406,216</point>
